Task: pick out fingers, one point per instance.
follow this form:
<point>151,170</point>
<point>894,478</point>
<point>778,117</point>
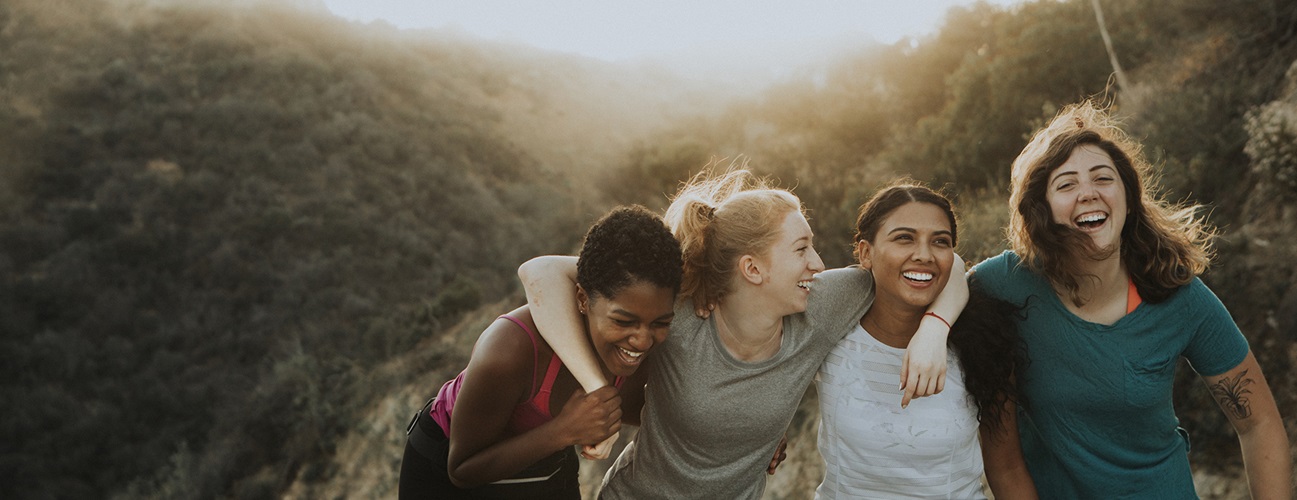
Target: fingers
<point>781,453</point>
<point>905,368</point>
<point>605,394</point>
<point>601,450</point>
<point>912,384</point>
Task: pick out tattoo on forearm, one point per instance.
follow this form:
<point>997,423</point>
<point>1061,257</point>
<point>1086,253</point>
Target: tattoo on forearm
<point>1231,392</point>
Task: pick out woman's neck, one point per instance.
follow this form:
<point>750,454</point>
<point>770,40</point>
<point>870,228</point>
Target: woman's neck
<point>603,365</point>
<point>750,332</point>
<point>1099,279</point>
<point>891,322</point>
<point>1102,287</point>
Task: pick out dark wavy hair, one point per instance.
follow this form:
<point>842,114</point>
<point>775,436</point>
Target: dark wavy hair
<point>626,245</point>
<point>991,352</point>
<point>1162,244</point>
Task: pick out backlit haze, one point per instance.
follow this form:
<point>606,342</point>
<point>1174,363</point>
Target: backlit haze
<point>718,39</point>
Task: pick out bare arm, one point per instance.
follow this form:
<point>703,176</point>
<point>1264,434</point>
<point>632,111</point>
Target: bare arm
<point>498,378</point>
<point>1245,397</point>
<point>1006,470</point>
<point>923,369</point>
<point>550,284</point>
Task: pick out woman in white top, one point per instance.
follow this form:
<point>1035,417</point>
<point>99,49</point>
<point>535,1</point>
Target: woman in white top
<point>872,446</point>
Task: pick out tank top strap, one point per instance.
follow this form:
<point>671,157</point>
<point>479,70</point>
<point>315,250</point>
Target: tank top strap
<point>535,348</point>
<point>547,387</point>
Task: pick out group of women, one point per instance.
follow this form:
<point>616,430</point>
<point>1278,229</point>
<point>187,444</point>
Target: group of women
<point>711,322</point>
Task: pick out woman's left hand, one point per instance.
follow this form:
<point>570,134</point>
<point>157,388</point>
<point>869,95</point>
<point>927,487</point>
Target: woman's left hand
<point>781,453</point>
<point>923,369</point>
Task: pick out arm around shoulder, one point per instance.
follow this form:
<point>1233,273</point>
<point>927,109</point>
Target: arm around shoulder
<point>550,284</point>
<point>923,369</point>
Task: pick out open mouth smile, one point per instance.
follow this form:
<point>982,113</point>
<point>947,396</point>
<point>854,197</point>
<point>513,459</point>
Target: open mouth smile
<point>628,356</point>
<point>918,276</point>
<point>1090,220</point>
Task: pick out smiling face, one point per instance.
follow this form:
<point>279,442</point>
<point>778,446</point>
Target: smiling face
<point>791,262</point>
<point>1086,193</point>
<point>626,326</point>
<point>910,255</point>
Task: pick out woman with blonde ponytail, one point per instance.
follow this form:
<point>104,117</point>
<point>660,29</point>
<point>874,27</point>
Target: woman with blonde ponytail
<point>719,393</point>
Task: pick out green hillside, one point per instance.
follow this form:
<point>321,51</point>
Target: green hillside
<point>229,232</point>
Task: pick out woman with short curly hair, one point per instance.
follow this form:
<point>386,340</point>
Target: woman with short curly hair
<point>506,426</point>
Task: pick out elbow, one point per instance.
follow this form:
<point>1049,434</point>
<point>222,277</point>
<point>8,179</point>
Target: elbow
<point>528,269</point>
<point>459,479</point>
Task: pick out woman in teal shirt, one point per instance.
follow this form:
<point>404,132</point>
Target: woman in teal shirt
<point>1108,277</point>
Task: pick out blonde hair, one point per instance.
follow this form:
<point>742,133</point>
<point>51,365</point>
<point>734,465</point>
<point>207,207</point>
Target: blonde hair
<point>1163,245</point>
<point>719,219</point>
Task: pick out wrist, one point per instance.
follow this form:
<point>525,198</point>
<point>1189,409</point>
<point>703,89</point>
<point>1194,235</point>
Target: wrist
<point>938,317</point>
<point>932,324</point>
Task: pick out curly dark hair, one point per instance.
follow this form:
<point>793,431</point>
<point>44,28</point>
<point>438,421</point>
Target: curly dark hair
<point>626,245</point>
<point>1164,245</point>
<point>991,352</point>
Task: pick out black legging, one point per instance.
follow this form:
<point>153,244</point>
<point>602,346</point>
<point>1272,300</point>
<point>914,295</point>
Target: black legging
<point>424,477</point>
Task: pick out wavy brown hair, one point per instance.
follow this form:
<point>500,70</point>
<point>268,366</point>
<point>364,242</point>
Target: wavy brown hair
<point>719,218</point>
<point>1163,245</point>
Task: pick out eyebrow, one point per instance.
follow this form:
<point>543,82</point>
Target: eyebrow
<point>912,230</point>
<point>633,315</point>
<point>1070,172</point>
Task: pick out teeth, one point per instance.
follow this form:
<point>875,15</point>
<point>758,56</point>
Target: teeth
<point>917,276</point>
<point>804,284</point>
<point>1096,217</point>
<point>631,353</point>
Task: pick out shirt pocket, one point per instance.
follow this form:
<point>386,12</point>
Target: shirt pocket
<point>1148,381</point>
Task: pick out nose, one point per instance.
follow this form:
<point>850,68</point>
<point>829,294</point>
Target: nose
<point>923,253</point>
<point>1087,192</point>
<point>816,264</point>
<point>640,338</point>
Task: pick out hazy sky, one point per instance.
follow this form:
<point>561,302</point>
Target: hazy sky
<point>616,30</point>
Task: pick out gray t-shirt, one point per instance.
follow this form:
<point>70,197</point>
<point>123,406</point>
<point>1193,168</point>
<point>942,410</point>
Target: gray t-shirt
<point>711,423</point>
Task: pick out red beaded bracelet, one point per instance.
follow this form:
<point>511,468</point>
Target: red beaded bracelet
<point>935,315</point>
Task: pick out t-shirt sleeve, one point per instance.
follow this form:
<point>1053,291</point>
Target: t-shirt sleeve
<point>839,298</point>
<point>992,276</point>
<point>1217,345</point>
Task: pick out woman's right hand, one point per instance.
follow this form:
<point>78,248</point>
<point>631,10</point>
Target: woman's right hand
<point>590,418</point>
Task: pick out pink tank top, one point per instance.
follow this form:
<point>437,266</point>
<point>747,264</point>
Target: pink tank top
<point>526,416</point>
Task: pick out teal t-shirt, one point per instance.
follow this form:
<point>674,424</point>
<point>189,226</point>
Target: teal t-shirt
<point>1099,421</point>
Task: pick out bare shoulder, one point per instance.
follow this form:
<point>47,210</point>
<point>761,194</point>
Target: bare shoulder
<point>505,349</point>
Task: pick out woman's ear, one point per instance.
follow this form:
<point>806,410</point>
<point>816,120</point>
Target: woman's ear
<point>582,300</point>
<point>863,254</point>
<point>751,269</point>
